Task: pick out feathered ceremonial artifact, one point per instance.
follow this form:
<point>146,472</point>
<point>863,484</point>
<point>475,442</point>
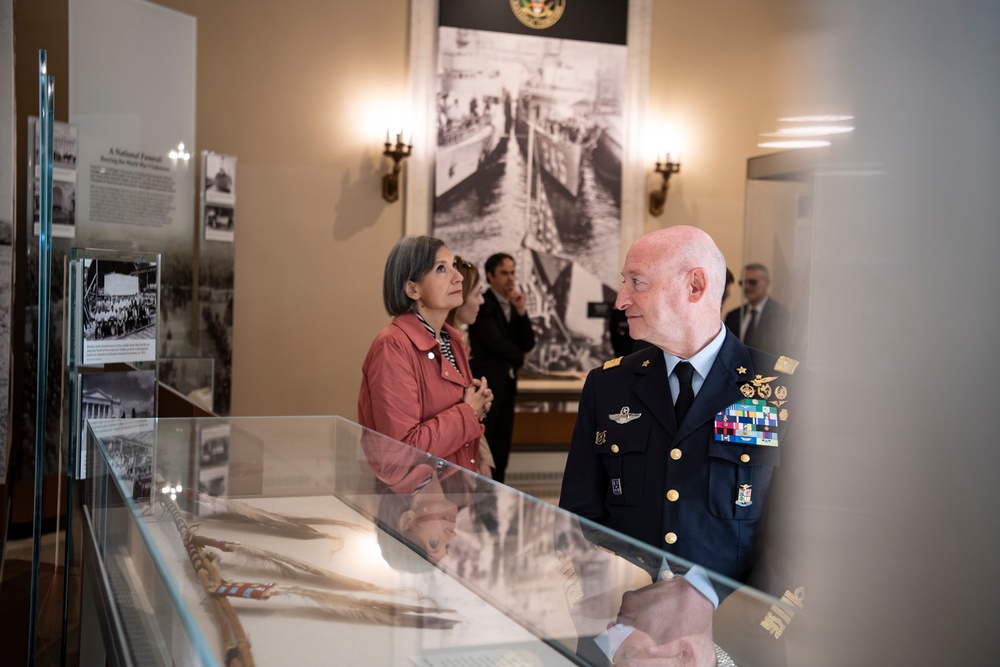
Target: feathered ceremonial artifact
<point>234,639</point>
<point>335,605</point>
<point>345,607</point>
<point>234,510</point>
<point>286,565</point>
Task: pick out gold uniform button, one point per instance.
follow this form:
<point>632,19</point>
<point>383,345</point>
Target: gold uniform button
<point>745,458</point>
<point>672,495</point>
<point>614,449</point>
<point>675,454</point>
<point>670,538</point>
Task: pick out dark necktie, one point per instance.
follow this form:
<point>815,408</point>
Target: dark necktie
<point>684,372</point>
<point>753,322</point>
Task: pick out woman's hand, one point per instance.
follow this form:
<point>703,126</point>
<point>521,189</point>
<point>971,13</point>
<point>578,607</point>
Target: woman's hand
<point>480,397</point>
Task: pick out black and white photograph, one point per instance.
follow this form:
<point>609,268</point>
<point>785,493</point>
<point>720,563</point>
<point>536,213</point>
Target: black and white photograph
<point>220,178</point>
<point>213,460</point>
<point>529,163</point>
<point>65,147</point>
<point>63,208</point>
<point>219,196</point>
<point>64,153</point>
<point>220,223</point>
<point>114,399</point>
<point>119,311</point>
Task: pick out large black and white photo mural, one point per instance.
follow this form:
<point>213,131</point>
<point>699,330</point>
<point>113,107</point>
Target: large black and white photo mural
<point>529,162</point>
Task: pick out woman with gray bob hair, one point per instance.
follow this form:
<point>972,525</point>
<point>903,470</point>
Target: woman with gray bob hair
<point>416,383</point>
<point>409,260</point>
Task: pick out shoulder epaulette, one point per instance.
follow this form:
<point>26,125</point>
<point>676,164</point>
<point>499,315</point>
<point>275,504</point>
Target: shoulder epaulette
<point>611,363</point>
<point>785,365</point>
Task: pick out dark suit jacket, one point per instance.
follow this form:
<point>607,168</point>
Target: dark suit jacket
<point>497,346</point>
<point>770,333</point>
<point>618,474</point>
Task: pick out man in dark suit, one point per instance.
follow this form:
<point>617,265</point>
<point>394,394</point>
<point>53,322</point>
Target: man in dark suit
<point>499,341</point>
<point>677,445</point>
<point>762,322</point>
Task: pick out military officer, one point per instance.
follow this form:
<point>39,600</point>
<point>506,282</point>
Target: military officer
<point>677,444</point>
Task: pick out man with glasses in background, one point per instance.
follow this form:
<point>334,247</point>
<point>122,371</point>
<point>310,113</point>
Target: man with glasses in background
<point>761,322</point>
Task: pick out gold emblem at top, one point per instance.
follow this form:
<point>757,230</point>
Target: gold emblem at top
<point>538,14</point>
<point>611,363</point>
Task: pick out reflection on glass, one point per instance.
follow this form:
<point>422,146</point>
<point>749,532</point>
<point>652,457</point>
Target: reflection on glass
<point>324,531</point>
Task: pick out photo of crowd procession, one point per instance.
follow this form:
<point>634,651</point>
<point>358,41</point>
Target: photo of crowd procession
<point>119,310</point>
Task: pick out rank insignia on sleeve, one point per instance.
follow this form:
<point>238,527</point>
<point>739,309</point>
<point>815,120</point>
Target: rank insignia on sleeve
<point>748,422</point>
<point>602,437</point>
<point>611,363</point>
<point>624,416</point>
<point>786,365</point>
<point>616,486</point>
<point>743,495</point>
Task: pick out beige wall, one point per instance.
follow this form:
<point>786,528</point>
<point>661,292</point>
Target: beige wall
<point>301,92</point>
<point>712,75</point>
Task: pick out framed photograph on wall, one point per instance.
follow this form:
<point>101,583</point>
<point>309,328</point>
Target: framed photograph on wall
<point>123,405</point>
<point>218,196</point>
<point>65,147</point>
<point>530,116</point>
<point>118,301</point>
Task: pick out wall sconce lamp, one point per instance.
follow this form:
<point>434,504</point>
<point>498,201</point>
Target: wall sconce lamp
<point>658,198</point>
<point>390,182</point>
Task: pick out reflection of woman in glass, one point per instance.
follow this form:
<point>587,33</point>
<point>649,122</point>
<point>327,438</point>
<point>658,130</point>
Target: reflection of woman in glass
<point>421,499</point>
<point>423,517</point>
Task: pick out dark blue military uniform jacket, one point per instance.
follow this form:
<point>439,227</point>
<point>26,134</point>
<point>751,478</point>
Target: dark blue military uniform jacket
<point>680,488</point>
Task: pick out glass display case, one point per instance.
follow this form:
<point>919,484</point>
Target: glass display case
<point>313,541</point>
<point>191,375</point>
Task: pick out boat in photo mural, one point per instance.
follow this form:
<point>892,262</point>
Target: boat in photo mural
<point>473,116</point>
<point>558,142</point>
<point>462,152</point>
<point>607,161</point>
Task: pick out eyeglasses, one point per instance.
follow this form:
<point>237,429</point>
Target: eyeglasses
<point>749,282</point>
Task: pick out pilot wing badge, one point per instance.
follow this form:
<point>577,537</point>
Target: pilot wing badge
<point>624,416</point>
